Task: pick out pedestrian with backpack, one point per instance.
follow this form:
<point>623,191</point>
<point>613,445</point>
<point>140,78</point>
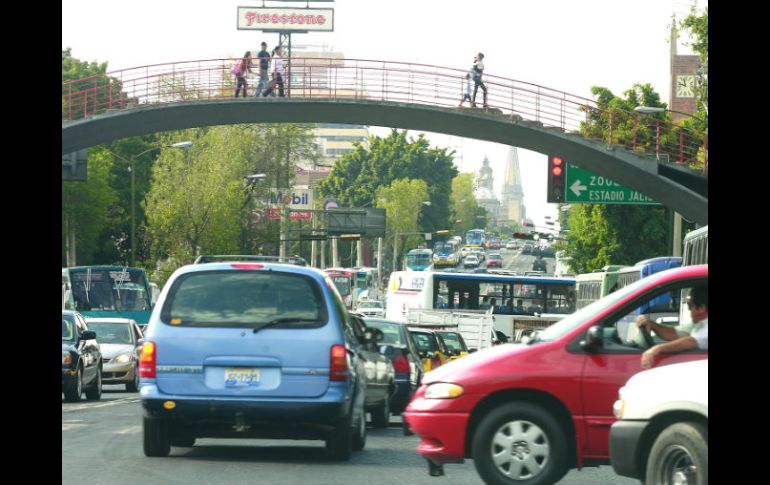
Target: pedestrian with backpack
<point>239,69</point>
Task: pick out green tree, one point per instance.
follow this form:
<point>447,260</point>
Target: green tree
<point>86,209</point>
<point>356,177</point>
<point>403,202</point>
<point>86,89</point>
<point>464,207</point>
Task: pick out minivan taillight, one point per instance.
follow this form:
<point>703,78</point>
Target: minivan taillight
<point>147,360</point>
<point>338,370</point>
<point>401,364</point>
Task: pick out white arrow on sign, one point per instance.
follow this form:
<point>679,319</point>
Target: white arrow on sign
<point>576,188</point>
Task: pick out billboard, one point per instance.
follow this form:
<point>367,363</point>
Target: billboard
<point>286,19</point>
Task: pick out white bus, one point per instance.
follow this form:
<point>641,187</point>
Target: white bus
<point>528,297</point>
<point>696,247</point>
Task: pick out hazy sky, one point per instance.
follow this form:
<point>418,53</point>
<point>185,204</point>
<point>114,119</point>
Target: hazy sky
<point>564,45</point>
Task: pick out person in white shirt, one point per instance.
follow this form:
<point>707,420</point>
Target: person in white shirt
<point>698,338</point>
<point>278,67</point>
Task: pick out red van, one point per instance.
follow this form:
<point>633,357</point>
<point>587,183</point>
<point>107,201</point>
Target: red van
<point>530,412</point>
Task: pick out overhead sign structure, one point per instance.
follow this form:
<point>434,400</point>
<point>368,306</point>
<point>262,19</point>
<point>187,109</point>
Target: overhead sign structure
<point>583,186</point>
<point>286,19</point>
<point>74,165</point>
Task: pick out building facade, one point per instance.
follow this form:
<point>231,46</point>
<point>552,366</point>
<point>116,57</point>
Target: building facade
<point>485,195</point>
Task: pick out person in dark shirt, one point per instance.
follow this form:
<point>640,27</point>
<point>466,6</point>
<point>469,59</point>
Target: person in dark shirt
<point>478,71</point>
<point>264,64</point>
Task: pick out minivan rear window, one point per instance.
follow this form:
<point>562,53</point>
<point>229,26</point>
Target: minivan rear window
<point>244,299</point>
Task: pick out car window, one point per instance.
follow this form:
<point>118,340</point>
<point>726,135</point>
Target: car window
<point>423,342</point>
<point>243,299</point>
<point>452,341</point>
<point>68,331</point>
<point>111,333</point>
<point>391,332</point>
<point>622,333</point>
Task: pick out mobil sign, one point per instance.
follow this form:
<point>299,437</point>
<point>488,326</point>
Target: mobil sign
<point>299,201</point>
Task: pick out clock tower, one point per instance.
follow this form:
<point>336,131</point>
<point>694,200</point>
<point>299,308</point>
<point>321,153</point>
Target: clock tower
<point>684,70</point>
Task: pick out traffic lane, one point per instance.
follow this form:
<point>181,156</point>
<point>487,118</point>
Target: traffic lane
<point>102,443</point>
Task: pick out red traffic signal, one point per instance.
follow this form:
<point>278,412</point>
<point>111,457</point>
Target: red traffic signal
<point>556,183</point>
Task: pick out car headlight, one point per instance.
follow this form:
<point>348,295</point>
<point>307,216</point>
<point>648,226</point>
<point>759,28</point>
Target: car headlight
<point>443,390</point>
<point>123,358</point>
<point>66,358</point>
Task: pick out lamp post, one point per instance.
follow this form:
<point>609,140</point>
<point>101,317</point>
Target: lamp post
<point>184,145</point>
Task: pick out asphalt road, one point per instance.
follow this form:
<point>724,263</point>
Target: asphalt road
<point>102,445</point>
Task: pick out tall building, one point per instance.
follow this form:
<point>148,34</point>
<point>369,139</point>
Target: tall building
<point>485,195</point>
<point>512,209</point>
<point>684,79</point>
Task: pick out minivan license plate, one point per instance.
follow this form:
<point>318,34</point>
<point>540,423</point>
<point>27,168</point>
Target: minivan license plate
<point>241,377</point>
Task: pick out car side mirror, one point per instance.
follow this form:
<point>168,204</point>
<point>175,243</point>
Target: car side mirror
<point>88,335</point>
<point>593,338</point>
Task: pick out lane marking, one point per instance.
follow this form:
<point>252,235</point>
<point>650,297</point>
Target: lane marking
<point>97,405</point>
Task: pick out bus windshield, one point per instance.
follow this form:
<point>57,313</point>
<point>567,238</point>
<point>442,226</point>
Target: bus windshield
<point>109,290</point>
<point>418,258</point>
<point>342,283</point>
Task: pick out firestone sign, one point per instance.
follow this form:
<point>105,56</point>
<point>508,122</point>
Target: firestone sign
<point>286,19</point>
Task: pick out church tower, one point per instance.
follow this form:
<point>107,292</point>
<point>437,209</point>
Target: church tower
<point>513,209</point>
<point>485,195</point>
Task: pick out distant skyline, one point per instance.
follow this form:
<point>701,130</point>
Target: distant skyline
<point>564,45</point>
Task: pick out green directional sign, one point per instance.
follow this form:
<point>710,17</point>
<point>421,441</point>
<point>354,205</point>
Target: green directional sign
<point>590,188</point>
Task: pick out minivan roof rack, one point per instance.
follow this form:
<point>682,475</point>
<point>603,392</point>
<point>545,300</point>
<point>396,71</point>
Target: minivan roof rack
<point>219,258</point>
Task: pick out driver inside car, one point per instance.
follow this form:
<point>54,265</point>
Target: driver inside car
<point>697,303</point>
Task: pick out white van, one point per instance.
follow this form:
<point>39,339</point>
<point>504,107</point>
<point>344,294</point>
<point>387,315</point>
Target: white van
<point>661,435</point>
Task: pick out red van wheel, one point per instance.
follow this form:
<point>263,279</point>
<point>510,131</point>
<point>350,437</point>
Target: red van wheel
<point>520,443</point>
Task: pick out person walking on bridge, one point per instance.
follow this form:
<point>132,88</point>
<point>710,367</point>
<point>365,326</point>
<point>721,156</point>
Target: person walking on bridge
<point>478,71</point>
<point>264,64</point>
<point>278,66</point>
<point>240,74</point>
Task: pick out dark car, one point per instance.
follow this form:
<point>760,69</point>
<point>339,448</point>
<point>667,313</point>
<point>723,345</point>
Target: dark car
<point>120,341</point>
<point>253,350</point>
<point>539,265</point>
<point>81,359</point>
<point>380,374</point>
<point>397,344</point>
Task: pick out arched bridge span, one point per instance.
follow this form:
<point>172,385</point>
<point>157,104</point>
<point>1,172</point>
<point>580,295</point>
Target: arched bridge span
<point>184,95</point>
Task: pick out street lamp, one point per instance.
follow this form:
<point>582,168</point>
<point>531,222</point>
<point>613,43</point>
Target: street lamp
<point>184,145</point>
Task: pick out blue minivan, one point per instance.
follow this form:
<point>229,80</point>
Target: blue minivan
<point>252,350</point>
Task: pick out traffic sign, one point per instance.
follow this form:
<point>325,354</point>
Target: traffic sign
<point>583,186</point>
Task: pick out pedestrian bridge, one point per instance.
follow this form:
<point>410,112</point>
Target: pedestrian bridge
<point>639,151</point>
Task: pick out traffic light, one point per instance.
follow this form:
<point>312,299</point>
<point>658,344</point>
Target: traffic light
<point>556,176</point>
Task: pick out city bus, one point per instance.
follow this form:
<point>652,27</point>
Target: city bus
<point>446,254</point>
<point>344,281</point>
<point>696,247</point>
<point>367,284</point>
<point>107,291</point>
<point>474,238</point>
<point>590,287</point>
<point>522,296</point>
<point>419,259</point>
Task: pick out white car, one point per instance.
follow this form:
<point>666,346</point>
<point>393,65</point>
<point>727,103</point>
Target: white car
<point>661,436</point>
<point>371,308</point>
<point>471,261</point>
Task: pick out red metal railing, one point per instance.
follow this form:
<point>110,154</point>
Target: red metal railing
<point>388,81</point>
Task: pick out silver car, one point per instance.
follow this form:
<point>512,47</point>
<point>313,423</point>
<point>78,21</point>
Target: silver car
<point>121,341</point>
<point>371,308</point>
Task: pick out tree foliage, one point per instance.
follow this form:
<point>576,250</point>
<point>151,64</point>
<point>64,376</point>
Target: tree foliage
<point>698,26</point>
<point>464,207</point>
<point>403,203</point>
<point>358,175</point>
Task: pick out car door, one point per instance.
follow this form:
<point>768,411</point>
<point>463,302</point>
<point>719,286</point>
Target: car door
<point>89,351</point>
<point>375,364</point>
<point>608,368</point>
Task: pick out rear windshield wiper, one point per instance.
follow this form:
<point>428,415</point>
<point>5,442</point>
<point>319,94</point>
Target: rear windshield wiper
<point>278,321</point>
